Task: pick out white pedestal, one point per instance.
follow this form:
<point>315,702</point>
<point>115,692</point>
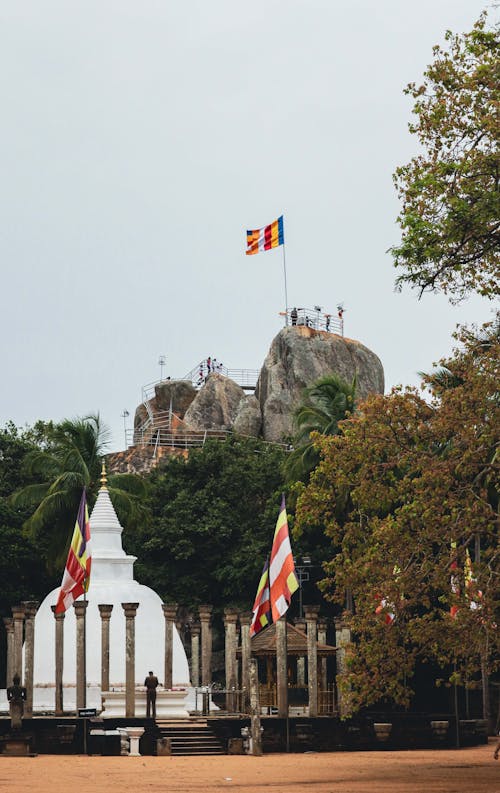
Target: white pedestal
<point>135,734</point>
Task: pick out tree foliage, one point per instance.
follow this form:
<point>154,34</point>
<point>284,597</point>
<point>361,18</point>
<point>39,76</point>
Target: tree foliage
<point>403,484</point>
<point>325,404</point>
<point>69,460</point>
<point>450,216</point>
<point>212,518</point>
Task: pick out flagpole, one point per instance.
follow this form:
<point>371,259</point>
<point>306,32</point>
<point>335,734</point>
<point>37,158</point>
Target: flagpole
<point>284,273</point>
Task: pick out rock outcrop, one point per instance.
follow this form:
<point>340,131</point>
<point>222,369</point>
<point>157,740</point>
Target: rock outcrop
<point>215,405</point>
<point>298,357</point>
<point>180,416</point>
<point>175,394</point>
<point>248,419</point>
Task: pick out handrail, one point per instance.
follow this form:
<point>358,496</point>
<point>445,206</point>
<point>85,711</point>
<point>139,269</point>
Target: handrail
<point>189,439</point>
<point>316,318</point>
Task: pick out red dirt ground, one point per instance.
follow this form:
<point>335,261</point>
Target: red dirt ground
<point>447,771</point>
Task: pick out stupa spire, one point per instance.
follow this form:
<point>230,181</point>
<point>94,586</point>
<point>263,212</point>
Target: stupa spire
<point>104,478</point>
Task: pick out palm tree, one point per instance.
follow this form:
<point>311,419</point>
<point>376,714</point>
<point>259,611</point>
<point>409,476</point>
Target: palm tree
<point>327,402</point>
<point>71,460</point>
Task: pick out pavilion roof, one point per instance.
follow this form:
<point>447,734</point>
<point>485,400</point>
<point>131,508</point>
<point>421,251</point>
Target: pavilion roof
<point>264,643</point>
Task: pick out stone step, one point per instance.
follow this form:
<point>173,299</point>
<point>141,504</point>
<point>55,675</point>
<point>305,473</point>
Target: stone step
<point>191,738</point>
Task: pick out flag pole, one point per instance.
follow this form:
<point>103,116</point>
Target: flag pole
<point>284,273</point>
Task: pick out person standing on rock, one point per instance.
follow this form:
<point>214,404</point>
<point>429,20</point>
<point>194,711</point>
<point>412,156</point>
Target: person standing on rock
<point>293,315</point>
<point>209,364</point>
<point>151,683</point>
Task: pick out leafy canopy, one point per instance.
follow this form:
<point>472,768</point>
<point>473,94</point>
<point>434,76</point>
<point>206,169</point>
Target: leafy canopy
<point>212,518</point>
<point>69,460</point>
<point>400,486</point>
<point>450,216</point>
<point>327,402</point>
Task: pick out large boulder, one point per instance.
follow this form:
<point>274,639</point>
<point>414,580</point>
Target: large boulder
<point>176,393</point>
<point>297,358</point>
<point>248,419</point>
<point>215,405</point>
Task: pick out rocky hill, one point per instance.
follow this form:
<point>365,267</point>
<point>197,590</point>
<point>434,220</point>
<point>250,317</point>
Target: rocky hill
<point>180,415</point>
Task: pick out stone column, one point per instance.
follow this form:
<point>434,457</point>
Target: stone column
<point>195,654</point>
<point>282,667</point>
<point>322,661</point>
<point>255,730</point>
<point>130,610</point>
<point>80,607</point>
<point>206,645</point>
<point>342,640</point>
<point>301,661</point>
<point>59,660</point>
<point>30,609</point>
<point>245,622</point>
<point>169,612</point>
<point>311,613</point>
<point>18,617</point>
<point>230,619</point>
<point>105,610</point>
<point>9,628</point>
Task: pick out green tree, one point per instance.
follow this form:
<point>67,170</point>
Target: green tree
<point>22,571</point>
<point>421,480</point>
<point>327,402</point>
<point>450,216</point>
<point>212,518</point>
<point>70,460</point>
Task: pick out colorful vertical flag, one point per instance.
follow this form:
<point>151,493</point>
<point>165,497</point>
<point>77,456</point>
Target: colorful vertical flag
<point>76,575</point>
<point>385,606</point>
<point>264,239</point>
<point>282,577</point>
<point>262,607</point>
<point>454,579</point>
<point>472,592</point>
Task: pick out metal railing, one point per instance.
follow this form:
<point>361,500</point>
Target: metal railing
<point>245,378</point>
<point>316,318</point>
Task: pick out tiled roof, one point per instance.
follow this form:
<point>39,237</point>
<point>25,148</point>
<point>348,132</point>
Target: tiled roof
<point>264,643</point>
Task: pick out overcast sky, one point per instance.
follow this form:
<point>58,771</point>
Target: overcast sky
<point>139,139</point>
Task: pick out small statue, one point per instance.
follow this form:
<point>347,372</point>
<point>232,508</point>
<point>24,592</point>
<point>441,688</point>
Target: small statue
<point>16,696</point>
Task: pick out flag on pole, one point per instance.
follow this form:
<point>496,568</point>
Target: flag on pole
<point>282,577</point>
<point>76,575</point>
<point>385,606</point>
<point>264,239</point>
<point>262,607</point>
<point>472,592</point>
<point>454,580</point>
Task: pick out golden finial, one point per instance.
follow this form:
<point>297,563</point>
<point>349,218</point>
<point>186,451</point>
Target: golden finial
<point>104,478</point>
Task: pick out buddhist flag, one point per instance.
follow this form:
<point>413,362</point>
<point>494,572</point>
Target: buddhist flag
<point>385,606</point>
<point>76,576</point>
<point>454,580</point>
<point>262,606</point>
<point>472,592</point>
<point>282,578</point>
<point>264,239</point>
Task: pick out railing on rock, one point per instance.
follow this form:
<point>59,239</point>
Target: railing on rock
<point>316,319</point>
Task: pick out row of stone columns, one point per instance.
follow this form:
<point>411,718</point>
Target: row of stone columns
<point>22,625</point>
<point>24,614</point>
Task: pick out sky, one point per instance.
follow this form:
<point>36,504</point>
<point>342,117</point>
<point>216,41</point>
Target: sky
<point>139,140</point>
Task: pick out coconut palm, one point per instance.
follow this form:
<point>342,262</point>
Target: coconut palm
<point>326,403</point>
<point>70,460</point>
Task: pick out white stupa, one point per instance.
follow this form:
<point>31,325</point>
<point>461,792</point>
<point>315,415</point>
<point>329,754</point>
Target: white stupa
<point>111,582</point>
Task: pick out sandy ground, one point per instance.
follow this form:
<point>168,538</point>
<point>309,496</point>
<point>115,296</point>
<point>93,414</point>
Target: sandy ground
<point>462,771</point>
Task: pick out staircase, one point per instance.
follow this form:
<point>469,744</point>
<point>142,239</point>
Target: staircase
<point>193,737</point>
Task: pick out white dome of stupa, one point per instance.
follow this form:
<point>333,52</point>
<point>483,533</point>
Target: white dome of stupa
<point>111,582</point>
